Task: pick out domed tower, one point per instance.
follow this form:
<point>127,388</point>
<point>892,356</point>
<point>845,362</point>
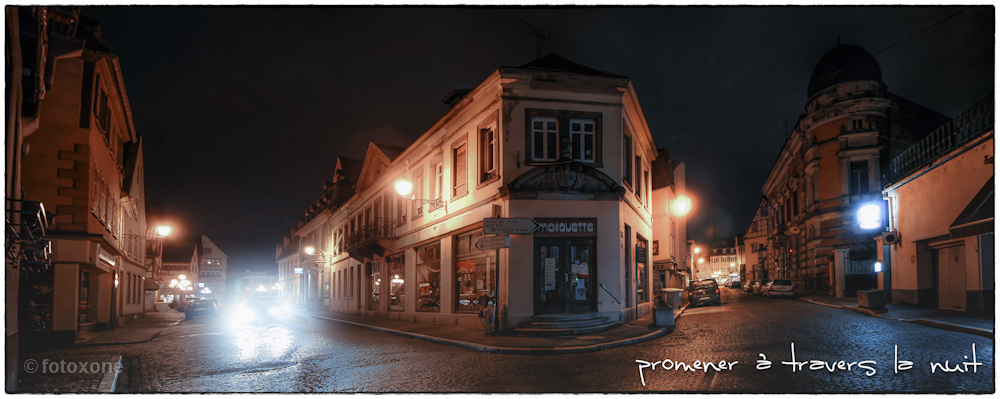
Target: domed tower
<point>832,163</point>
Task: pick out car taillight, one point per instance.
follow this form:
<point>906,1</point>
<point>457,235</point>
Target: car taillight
<point>690,293</point>
<point>716,290</point>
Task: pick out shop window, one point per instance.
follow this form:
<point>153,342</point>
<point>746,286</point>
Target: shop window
<point>641,270</point>
<point>397,271</point>
<point>375,281</point>
<point>429,278</point>
<point>475,273</point>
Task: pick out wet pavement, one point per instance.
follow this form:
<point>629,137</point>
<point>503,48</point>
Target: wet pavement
<point>310,354</point>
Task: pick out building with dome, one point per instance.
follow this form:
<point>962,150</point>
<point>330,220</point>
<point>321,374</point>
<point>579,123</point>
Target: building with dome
<point>834,160</point>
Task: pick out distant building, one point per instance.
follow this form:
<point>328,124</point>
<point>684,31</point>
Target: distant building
<point>180,263</point>
<point>671,268</point>
<point>941,208</point>
<point>248,285</point>
<point>754,246</point>
<point>212,270</point>
<point>833,161</point>
<point>722,260</point>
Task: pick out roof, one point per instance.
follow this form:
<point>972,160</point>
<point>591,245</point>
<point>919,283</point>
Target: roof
<point>844,63</point>
<point>390,151</point>
<point>663,170</point>
<point>977,217</point>
<point>556,63</point>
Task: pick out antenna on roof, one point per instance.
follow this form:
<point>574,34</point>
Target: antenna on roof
<point>540,39</point>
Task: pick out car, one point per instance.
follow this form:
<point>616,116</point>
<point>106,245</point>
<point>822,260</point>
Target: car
<point>266,310</point>
<point>734,284</point>
<point>759,285</point>
<point>748,285</point>
<point>203,307</point>
<point>778,287</point>
<point>704,291</point>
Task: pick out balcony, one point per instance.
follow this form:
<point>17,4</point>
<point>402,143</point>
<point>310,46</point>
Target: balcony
<point>968,125</point>
<point>374,238</point>
<point>25,240</point>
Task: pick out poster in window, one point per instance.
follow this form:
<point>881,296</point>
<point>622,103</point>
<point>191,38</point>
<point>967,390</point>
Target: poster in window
<point>466,266</point>
<point>550,274</point>
<point>580,269</point>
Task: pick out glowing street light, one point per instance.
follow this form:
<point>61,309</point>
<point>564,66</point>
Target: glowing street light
<point>310,250</point>
<point>869,216</point>
<point>163,230</point>
<point>403,187</point>
<point>681,205</point>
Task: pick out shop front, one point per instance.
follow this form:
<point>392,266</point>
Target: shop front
<point>565,272</point>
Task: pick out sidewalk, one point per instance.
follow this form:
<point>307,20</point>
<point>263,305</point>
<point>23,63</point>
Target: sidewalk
<point>982,325</point>
<point>134,331</point>
<point>636,331</point>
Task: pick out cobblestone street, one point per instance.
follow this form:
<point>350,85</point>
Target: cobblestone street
<point>315,355</point>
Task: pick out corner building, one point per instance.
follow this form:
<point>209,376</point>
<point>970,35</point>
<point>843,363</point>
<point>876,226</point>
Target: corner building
<point>551,140</point>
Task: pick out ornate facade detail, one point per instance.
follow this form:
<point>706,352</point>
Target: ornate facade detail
<point>569,177</point>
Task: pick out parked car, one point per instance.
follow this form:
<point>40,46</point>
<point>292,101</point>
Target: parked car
<point>748,285</point>
<point>704,291</point>
<point>734,284</point>
<point>759,285</point>
<point>778,287</point>
<point>203,307</point>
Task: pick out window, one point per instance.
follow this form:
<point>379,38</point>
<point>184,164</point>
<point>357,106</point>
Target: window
<point>627,157</point>
<point>397,272</point>
<point>438,180</point>
<point>460,169</point>
<point>418,192</point>
<point>487,154</point>
<point>429,278</point>
<point>859,177</point>
<point>641,270</point>
<point>544,138</point>
<point>101,111</point>
<point>858,124</point>
<point>552,135</point>
<point>401,210</point>
<point>374,270</point>
<point>581,133</point>
<point>475,273</point>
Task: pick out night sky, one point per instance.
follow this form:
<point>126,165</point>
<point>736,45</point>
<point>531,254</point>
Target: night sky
<point>243,111</point>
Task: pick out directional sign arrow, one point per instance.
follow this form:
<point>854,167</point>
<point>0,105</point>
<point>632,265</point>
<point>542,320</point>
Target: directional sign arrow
<point>509,226</point>
<point>495,242</point>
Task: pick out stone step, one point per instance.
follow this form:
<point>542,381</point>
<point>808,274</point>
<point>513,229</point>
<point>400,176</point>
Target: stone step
<point>545,332</point>
<point>566,324</point>
<point>565,317</point>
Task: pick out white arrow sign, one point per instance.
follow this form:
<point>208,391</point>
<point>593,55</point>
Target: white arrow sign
<point>509,226</point>
<point>495,242</point>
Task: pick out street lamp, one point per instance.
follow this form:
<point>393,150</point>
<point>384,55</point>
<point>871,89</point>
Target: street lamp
<point>404,187</point>
<point>869,216</point>
<point>680,206</point>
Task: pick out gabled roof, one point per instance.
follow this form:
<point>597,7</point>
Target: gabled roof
<point>348,170</point>
<point>556,63</point>
<point>390,151</point>
<point>376,162</point>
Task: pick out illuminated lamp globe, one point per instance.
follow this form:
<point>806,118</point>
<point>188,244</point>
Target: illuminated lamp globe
<point>870,216</point>
<point>681,205</point>
<point>403,187</point>
<point>163,230</point>
<point>310,250</point>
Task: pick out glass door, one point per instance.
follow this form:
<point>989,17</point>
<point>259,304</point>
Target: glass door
<point>565,279</point>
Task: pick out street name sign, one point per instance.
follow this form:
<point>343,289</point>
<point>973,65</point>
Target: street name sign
<point>495,242</point>
<point>509,226</point>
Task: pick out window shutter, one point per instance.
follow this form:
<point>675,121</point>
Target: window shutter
<point>461,172</point>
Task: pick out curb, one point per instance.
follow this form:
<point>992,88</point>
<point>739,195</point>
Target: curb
<point>110,380</point>
<point>982,332</point>
<point>508,350</point>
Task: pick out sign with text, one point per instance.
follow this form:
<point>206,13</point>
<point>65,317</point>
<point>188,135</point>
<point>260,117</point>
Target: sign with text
<point>509,226</point>
<point>566,227</point>
<point>495,242</point>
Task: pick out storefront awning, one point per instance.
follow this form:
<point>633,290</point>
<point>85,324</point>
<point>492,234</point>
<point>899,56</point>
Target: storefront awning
<point>977,217</point>
<point>151,285</point>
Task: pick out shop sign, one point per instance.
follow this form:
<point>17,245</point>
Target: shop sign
<point>297,270</point>
<point>509,226</point>
<point>640,254</point>
<point>566,227</point>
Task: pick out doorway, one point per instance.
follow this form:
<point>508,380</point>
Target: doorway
<point>951,284</point>
<point>565,275</point>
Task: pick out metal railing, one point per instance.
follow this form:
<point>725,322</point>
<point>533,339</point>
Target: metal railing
<point>612,295</point>
<point>971,123</point>
<point>25,235</point>
<point>378,228</point>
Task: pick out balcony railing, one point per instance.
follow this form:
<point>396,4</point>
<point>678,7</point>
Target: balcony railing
<point>378,229</point>
<point>971,123</point>
<point>25,235</point>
